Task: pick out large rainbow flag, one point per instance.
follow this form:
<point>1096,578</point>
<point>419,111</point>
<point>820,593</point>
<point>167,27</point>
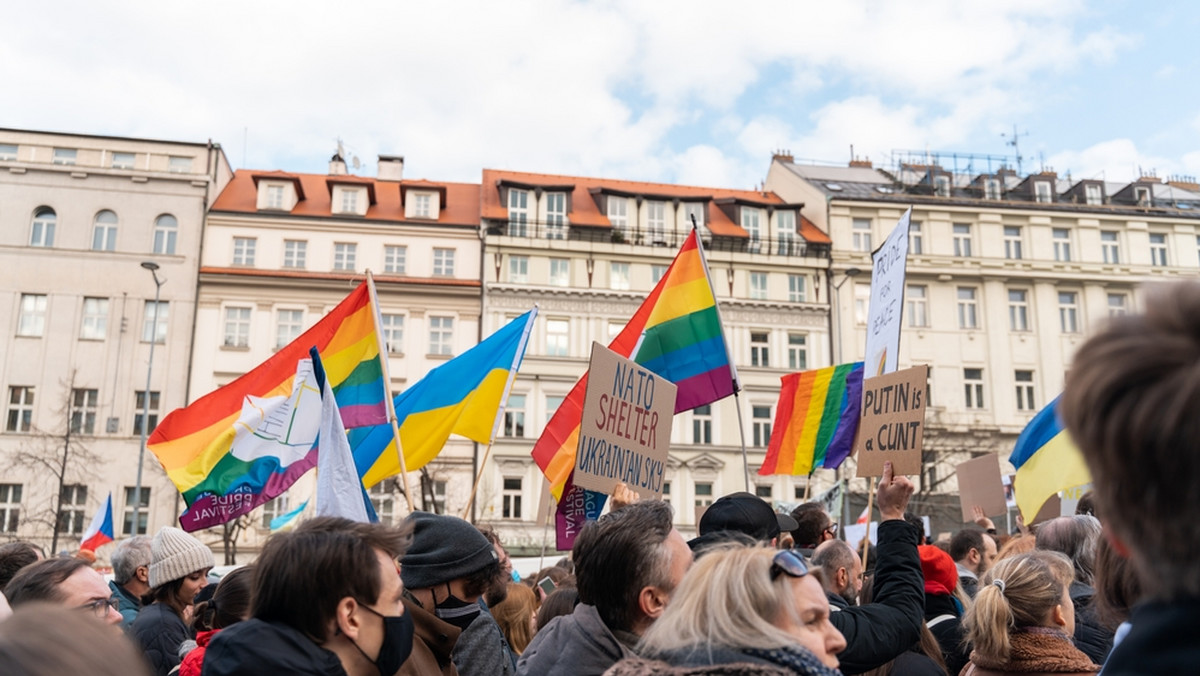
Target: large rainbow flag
<point>245,443</point>
<point>815,420</point>
<point>677,334</point>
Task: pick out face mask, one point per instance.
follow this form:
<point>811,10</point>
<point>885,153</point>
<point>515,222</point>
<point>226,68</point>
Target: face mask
<point>397,642</point>
<point>455,610</point>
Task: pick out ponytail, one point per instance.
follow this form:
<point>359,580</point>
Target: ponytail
<point>1017,592</point>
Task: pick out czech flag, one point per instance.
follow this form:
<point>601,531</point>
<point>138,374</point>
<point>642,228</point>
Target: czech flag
<point>100,530</point>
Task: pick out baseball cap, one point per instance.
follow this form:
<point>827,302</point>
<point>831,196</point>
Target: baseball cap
<point>745,513</point>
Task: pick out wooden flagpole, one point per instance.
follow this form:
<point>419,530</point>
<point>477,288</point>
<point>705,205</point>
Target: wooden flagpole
<point>387,389</point>
<point>866,543</point>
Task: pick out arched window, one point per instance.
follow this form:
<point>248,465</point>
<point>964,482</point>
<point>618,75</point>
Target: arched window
<point>42,232</point>
<point>104,231</point>
<point>165,230</point>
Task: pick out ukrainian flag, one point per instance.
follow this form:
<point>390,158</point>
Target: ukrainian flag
<point>1047,461</point>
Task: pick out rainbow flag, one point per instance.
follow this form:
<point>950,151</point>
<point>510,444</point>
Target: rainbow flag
<point>815,420</point>
<point>100,530</point>
<point>677,334</point>
<point>247,442</point>
<point>1047,461</point>
<point>464,396</point>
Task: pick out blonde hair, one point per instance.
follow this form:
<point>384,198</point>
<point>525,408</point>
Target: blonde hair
<point>726,599</point>
<point>1030,586</point>
<point>515,616</point>
<point>1017,545</point>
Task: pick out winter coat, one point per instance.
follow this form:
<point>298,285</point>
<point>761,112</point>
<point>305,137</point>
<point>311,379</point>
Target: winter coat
<point>708,660</point>
<point>1092,637</point>
<point>913,663</point>
<point>129,604</point>
<point>159,632</point>
<point>1162,640</point>
<point>1035,651</point>
<point>579,644</point>
<point>949,632</point>
<point>257,648</point>
<point>190,666</point>
<point>482,649</point>
<point>434,642</point>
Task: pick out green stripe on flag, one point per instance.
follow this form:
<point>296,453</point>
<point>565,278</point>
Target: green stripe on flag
<point>679,333</point>
<point>832,415</point>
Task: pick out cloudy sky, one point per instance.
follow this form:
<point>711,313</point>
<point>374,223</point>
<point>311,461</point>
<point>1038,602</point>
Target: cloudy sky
<point>688,92</point>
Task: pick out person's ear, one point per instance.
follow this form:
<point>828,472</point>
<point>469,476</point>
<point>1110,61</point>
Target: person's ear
<point>1059,618</point>
<point>843,578</point>
<point>142,573</point>
<point>974,556</point>
<point>652,601</point>
<point>347,617</point>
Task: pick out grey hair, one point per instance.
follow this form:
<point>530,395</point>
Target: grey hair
<point>1076,537</point>
<point>130,555</point>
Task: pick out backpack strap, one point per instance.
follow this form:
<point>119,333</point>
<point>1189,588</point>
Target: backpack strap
<point>938,620</point>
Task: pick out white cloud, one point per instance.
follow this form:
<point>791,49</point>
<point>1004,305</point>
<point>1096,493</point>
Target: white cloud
<point>1113,160</point>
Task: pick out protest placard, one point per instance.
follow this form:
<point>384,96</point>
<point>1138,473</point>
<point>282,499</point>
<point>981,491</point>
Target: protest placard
<point>893,422</point>
<point>887,301</point>
<point>1071,496</point>
<point>980,483</point>
<point>625,431</point>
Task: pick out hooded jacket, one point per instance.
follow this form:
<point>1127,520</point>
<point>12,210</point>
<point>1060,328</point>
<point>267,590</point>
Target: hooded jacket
<point>579,644</point>
<point>432,646</point>
<point>257,648</point>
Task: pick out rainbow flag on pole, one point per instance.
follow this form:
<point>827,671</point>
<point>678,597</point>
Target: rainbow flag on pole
<point>677,334</point>
<point>1047,461</point>
<point>815,420</point>
<point>247,442</point>
<point>100,530</point>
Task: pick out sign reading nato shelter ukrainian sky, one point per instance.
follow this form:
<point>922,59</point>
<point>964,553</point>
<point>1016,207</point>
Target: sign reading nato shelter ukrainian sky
<point>625,433</point>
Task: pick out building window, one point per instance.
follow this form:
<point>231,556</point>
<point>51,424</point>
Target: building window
<point>973,387</point>
<point>64,156</point>
<point>345,256</point>
<point>556,215</point>
<point>764,491</point>
<point>441,335</point>
<point>916,239</point>
<point>514,416</point>
<point>862,303</point>
<point>439,497</point>
<point>1093,194</point>
<point>1142,195</point>
<point>395,259</point>
<point>785,230</point>
<point>122,160</point>
<point>991,188</point>
<point>41,234</point>
<point>968,311</point>
<point>243,250</point>
<point>511,498</point>
<point>704,493</point>
<point>656,223</point>
<point>557,337</point>
<point>1024,390</point>
<point>758,286</point>
<point>1158,249</point>
<point>797,352</point>
<point>237,327</point>
<point>693,213</point>
<point>288,326</point>
<point>349,201</point>
<point>94,325</point>
<point>760,417</point>
<point>10,507</point>
<point>702,423</point>
<point>560,272</point>
<point>139,401</point>
<point>392,327</point>
<point>796,290</point>
<point>1012,243</point>
<point>752,224</point>
<point>383,500</point>
<point>143,512</point>
<point>443,262</point>
<point>518,269</point>
<point>32,322</point>
<point>614,328</point>
<point>1118,304</point>
<point>8,151</point>
<point>71,513</point>
<point>518,212</point>
<point>20,409</point>
<point>1110,247</point>
<point>917,302</point>
<point>962,240</point>
<point>553,401</point>
<point>166,229</point>
<point>83,410</point>
<point>1062,244</point>
<point>179,165</point>
<point>618,216</point>
<point>759,354</point>
<point>155,330</point>
<point>656,273</point>
<point>104,231</point>
<point>422,205</point>
<point>273,509</point>
<point>1068,311</point>
<point>295,251</point>
<point>1041,191</point>
<point>1018,310</point>
<point>941,186</point>
<point>274,197</point>
<point>861,238</point>
<point>618,276</point>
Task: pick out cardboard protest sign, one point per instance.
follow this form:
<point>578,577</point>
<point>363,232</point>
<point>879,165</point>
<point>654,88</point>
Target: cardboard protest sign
<point>979,483</point>
<point>893,422</point>
<point>1052,509</point>
<point>887,301</point>
<point>1070,498</point>
<point>625,432</point>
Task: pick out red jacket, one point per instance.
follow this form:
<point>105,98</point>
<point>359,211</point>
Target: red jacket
<point>190,666</point>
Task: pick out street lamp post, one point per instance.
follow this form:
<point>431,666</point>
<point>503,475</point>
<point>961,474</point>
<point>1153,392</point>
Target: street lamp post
<point>137,491</point>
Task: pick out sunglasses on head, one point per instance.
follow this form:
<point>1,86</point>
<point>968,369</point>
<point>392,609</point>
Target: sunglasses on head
<point>788,562</point>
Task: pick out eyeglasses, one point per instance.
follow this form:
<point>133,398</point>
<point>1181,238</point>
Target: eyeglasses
<point>832,529</point>
<point>788,562</point>
<point>100,607</point>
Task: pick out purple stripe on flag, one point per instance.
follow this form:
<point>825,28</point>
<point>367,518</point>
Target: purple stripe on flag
<point>842,444</point>
<point>364,415</point>
<point>210,510</point>
<point>704,388</point>
<point>577,507</point>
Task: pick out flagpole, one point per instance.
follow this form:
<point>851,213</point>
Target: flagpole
<point>387,387</point>
<point>742,432</point>
<point>808,487</point>
<point>866,543</point>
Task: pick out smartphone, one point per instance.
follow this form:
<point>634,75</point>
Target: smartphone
<point>547,585</point>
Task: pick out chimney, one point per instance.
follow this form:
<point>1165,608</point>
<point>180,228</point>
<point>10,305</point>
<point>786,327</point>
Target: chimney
<point>391,167</point>
<point>337,166</point>
<point>862,164</point>
<point>1184,183</point>
<point>783,156</point>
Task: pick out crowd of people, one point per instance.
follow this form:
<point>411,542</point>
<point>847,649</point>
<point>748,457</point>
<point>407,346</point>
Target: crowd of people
<point>1113,588</point>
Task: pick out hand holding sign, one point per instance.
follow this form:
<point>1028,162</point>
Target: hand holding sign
<point>893,493</point>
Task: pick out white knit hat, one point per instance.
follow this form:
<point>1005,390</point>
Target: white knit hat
<point>174,555</point>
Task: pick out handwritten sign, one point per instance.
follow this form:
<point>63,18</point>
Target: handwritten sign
<point>888,264</point>
<point>893,422</point>
<point>625,432</point>
<point>979,483</point>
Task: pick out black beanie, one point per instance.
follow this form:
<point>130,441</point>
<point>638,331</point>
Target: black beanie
<point>443,548</point>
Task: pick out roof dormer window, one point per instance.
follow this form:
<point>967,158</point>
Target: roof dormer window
<point>1093,194</point>
<point>1041,192</point>
<point>941,186</point>
<point>274,196</point>
<point>1142,195</point>
<point>421,204</point>
<point>349,201</point>
<point>991,188</point>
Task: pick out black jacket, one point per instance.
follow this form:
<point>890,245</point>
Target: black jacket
<point>159,632</point>
<point>949,633</point>
<point>254,648</point>
<point>1091,637</point>
<point>1162,640</point>
<point>879,631</point>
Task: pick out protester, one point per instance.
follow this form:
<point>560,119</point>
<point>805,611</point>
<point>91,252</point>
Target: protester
<point>14,556</point>
<point>973,553</point>
<point>627,564</point>
<point>71,583</point>
<point>943,612</point>
<point>43,639</point>
<point>482,648</point>
<point>743,610</point>
<point>813,526</point>
<point>229,605</point>
<point>923,659</point>
<point>131,576</point>
<point>1022,619</point>
<point>1076,537</point>
<point>558,575</point>
<point>744,513</point>
<point>517,616</point>
<point>1118,589</point>
<point>179,565</point>
<point>561,601</point>
<point>841,572</point>
<point>1017,545</point>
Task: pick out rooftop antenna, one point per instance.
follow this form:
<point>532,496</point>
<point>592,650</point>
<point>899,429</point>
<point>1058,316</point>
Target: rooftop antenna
<point>1014,141</point>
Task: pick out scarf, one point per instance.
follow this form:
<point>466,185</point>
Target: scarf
<point>1037,649</point>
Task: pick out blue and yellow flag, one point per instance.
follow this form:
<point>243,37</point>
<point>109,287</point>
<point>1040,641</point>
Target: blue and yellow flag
<point>464,396</point>
<point>1047,461</point>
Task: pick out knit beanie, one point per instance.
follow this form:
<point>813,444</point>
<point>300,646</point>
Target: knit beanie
<point>443,548</point>
<point>941,575</point>
<point>174,554</point>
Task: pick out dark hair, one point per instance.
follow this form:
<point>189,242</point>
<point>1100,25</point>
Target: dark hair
<point>301,576</point>
<point>40,581</point>
<point>812,522</point>
<point>927,646</point>
<point>1086,504</point>
<point>229,603</point>
<point>1130,405</point>
<point>168,594</point>
<point>920,524</point>
<point>1117,586</point>
<point>42,639</point>
<point>561,601</point>
<point>618,556</point>
<point>13,557</point>
<point>964,541</point>
<point>1076,536</point>
<point>559,575</point>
